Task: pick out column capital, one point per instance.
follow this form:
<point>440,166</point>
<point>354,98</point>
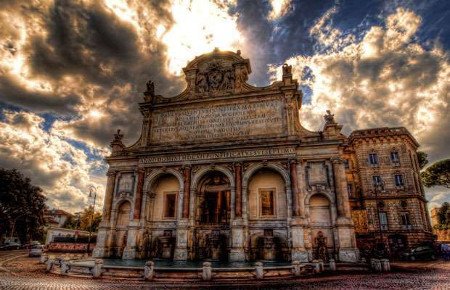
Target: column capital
<point>336,160</point>
<point>111,173</point>
<point>186,166</point>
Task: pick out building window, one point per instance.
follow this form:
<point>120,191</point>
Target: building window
<point>394,157</point>
<point>170,200</point>
<point>346,164</point>
<point>399,180</point>
<point>383,220</point>
<point>267,202</point>
<point>377,182</point>
<point>373,159</point>
<point>350,189</point>
<point>405,221</point>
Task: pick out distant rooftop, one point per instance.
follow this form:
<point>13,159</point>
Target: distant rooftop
<point>381,132</point>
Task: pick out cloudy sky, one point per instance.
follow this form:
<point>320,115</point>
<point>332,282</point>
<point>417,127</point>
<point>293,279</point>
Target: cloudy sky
<point>72,72</point>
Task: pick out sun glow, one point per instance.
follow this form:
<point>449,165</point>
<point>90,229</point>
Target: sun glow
<point>200,26</point>
<point>95,114</point>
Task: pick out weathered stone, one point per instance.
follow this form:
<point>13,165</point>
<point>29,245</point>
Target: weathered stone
<point>259,270</point>
<point>218,173</point>
<point>206,271</point>
<point>149,270</point>
<point>97,269</point>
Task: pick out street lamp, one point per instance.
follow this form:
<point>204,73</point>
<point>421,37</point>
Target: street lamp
<point>92,194</point>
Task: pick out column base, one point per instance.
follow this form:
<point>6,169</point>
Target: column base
<point>129,254</point>
<point>180,253</point>
<point>237,255</point>
<point>300,255</point>
<point>348,255</point>
<point>101,252</point>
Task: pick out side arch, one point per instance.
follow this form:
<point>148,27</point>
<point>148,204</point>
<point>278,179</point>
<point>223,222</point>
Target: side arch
<point>255,167</point>
<point>154,175</point>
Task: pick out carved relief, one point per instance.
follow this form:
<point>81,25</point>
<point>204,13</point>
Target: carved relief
<point>219,76</point>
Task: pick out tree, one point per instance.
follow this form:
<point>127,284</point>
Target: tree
<point>437,174</point>
<point>423,159</point>
<point>83,222</point>
<point>443,214</point>
<point>21,206</point>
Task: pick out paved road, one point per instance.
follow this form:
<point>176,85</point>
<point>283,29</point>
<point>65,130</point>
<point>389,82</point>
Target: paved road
<point>17,271</point>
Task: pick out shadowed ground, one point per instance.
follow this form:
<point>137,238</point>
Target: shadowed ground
<point>17,271</point>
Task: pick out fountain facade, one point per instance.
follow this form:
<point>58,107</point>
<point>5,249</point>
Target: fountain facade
<point>225,172</point>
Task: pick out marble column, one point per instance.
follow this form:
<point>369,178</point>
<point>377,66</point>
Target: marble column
<point>238,182</point>
<point>138,198</point>
<point>237,252</point>
<point>109,196</point>
<point>298,252</point>
<point>102,249</point>
<point>187,191</point>
<point>340,184</point>
<point>181,248</point>
<point>134,234</point>
<point>294,187</point>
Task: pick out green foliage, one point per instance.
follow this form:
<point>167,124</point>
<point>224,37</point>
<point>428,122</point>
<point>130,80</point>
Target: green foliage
<point>438,174</point>
<point>21,206</point>
<point>84,219</point>
<point>423,159</point>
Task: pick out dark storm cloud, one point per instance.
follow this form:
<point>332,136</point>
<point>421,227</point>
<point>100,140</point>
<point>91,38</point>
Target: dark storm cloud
<point>85,53</point>
<point>80,40</point>
<point>257,30</point>
<point>13,93</point>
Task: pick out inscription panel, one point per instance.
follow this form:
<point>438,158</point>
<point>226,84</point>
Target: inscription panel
<point>226,121</point>
<point>222,155</point>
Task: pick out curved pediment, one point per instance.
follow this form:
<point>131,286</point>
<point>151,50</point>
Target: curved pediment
<point>218,73</point>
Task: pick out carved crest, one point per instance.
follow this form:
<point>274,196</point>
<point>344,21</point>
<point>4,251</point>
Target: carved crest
<point>216,76</point>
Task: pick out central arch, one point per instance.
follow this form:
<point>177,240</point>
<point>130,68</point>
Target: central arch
<point>212,216</point>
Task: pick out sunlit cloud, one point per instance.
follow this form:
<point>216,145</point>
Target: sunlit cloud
<point>199,27</point>
<point>385,79</point>
<point>279,8</point>
<point>63,171</point>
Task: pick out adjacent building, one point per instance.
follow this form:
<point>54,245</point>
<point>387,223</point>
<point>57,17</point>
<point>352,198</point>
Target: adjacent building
<point>225,171</point>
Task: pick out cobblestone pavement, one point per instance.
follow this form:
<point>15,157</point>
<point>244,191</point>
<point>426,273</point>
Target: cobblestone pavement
<point>17,271</point>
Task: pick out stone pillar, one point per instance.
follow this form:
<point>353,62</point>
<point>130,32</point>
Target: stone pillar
<point>109,196</point>
<point>181,247</point>
<point>187,191</point>
<point>294,187</point>
<point>133,235</point>
<point>238,195</point>
<point>345,231</point>
<point>298,252</point>
<point>138,197</point>
<point>102,249</point>
<point>338,175</point>
<point>302,188</point>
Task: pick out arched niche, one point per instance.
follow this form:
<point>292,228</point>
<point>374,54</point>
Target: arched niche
<point>267,196</point>
<point>163,197</point>
<point>123,215</point>
<point>321,223</point>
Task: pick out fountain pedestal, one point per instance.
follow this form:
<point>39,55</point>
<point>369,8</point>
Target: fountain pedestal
<point>269,248</point>
<point>166,247</point>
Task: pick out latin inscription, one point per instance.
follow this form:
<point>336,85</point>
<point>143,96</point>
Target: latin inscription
<point>219,155</point>
<point>218,122</point>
